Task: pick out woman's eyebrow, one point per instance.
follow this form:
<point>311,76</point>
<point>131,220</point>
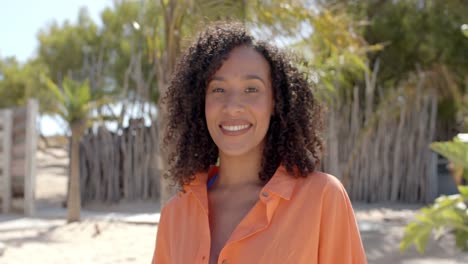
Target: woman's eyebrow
<point>246,77</point>
<point>217,78</point>
<point>254,77</point>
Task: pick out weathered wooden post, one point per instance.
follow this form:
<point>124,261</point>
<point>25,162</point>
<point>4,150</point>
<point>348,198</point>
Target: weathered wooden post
<point>30,158</point>
<point>18,145</point>
<point>5,159</point>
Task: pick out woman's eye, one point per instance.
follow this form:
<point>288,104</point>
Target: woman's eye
<point>251,90</point>
<point>217,90</point>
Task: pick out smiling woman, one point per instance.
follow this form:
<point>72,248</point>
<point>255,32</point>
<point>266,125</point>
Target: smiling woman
<point>243,102</point>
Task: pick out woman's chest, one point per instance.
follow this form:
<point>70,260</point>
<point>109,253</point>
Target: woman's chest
<point>249,231</point>
<point>225,214</point>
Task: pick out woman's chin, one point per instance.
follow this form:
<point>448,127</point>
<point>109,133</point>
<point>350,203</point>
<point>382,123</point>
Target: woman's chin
<point>234,152</point>
<point>239,151</point>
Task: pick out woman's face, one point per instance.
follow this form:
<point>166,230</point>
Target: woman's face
<point>239,102</point>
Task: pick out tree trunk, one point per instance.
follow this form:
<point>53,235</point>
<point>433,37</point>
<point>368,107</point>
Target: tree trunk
<point>74,199</point>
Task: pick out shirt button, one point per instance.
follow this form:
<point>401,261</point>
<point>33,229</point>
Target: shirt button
<point>265,194</point>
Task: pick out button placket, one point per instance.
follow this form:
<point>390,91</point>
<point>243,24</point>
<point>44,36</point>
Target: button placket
<point>269,201</point>
<point>204,246</point>
<point>222,259</point>
<point>203,255</point>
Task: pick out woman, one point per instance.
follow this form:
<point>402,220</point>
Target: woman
<point>243,103</point>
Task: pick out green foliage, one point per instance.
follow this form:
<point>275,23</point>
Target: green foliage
<point>18,82</point>
<point>456,151</point>
<point>415,34</point>
<point>448,212</point>
<point>13,83</point>
<point>418,36</point>
<point>464,30</point>
<point>64,48</point>
<point>105,55</point>
<point>75,101</point>
<point>336,53</point>
<point>124,34</point>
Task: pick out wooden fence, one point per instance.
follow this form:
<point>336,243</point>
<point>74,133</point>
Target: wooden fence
<point>381,151</point>
<point>18,145</point>
<point>119,166</point>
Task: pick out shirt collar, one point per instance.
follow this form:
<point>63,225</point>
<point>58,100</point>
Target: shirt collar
<point>282,183</point>
<point>201,178</point>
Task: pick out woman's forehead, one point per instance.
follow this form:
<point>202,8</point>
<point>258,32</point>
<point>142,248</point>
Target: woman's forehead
<point>242,62</point>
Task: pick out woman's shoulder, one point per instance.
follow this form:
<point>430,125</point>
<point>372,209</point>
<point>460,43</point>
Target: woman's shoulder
<point>320,183</point>
<point>321,179</point>
<point>182,197</point>
<point>174,204</point>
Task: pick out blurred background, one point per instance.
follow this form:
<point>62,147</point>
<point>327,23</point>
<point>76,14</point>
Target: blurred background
<point>80,115</point>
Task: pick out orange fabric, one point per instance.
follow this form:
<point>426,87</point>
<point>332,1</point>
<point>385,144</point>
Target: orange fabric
<point>296,220</point>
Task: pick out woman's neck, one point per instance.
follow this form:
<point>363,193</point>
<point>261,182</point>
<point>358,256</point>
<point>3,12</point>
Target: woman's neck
<point>237,171</point>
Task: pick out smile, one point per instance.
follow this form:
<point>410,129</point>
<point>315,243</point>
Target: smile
<point>235,128</point>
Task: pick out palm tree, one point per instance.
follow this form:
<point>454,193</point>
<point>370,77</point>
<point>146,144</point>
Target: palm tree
<point>74,104</point>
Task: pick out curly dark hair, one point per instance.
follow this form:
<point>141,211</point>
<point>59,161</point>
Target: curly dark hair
<point>293,137</point>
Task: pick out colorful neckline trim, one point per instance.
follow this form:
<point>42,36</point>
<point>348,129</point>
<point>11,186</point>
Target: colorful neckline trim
<point>211,181</point>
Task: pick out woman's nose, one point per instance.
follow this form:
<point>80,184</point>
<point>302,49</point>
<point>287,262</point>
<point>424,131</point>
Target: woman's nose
<point>233,104</point>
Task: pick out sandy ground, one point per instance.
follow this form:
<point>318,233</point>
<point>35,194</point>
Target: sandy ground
<point>104,239</point>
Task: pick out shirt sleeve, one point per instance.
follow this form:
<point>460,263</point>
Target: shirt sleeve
<point>161,252</point>
<point>339,239</point>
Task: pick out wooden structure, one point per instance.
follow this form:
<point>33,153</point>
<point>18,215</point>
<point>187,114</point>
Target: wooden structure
<point>18,145</point>
<point>119,166</point>
<point>5,149</point>
<point>381,151</point>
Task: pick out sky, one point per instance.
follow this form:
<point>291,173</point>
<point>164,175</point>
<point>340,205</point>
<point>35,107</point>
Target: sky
<point>21,20</point>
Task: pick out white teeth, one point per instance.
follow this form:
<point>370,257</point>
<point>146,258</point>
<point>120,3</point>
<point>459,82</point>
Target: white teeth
<point>235,128</point>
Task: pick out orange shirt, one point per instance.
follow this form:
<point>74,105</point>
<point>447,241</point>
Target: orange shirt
<point>296,220</point>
